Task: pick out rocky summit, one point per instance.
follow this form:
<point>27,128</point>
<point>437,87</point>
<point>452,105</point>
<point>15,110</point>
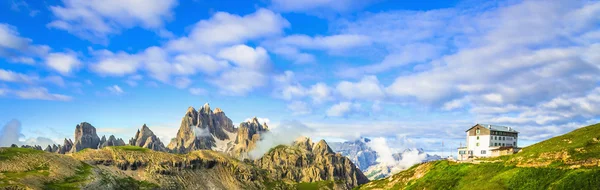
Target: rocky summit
<point>85,137</point>
<point>306,161</point>
<point>145,138</point>
<point>200,130</point>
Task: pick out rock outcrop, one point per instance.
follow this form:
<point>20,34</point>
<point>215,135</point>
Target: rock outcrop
<point>65,148</point>
<point>248,135</point>
<point>144,137</point>
<point>201,129</point>
<point>111,141</point>
<point>85,137</point>
<point>306,161</point>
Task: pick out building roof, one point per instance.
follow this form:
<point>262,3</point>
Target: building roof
<point>496,128</point>
<point>499,128</point>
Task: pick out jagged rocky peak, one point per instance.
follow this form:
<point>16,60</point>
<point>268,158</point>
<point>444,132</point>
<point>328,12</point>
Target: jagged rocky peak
<point>85,137</point>
<point>146,138</point>
<point>306,161</point>
<point>322,148</point>
<point>304,143</point>
<point>111,141</point>
<point>248,134</point>
<point>201,130</point>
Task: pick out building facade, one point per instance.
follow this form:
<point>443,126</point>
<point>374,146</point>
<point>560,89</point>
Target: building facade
<point>485,140</point>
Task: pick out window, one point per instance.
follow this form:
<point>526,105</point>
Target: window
<point>495,144</point>
<point>476,144</point>
<point>503,138</point>
<point>477,131</point>
<point>477,137</point>
<point>514,143</point>
<point>483,152</point>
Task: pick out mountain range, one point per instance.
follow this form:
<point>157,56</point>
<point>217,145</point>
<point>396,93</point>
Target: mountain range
<point>368,160</point>
<point>209,152</point>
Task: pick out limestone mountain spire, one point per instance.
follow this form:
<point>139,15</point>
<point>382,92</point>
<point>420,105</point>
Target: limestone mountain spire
<point>147,139</point>
<point>85,137</point>
<point>217,124</point>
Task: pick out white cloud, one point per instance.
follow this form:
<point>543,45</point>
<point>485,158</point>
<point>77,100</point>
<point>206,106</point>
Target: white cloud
<point>320,92</point>
<point>342,109</point>
<point>367,88</point>
<point>40,93</point>
<point>299,108</point>
<point>115,64</point>
<point>239,81</point>
<point>288,88</point>
<point>384,152</point>
<point>330,43</point>
<point>192,63</point>
<point>11,76</point>
<point>17,48</point>
<point>246,57</point>
<point>95,19</point>
<point>115,89</point>
<point>64,63</point>
<point>249,73</point>
<point>285,134</point>
<point>289,46</point>
<point>227,29</point>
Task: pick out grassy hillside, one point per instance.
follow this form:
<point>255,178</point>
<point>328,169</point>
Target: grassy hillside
<point>570,161</point>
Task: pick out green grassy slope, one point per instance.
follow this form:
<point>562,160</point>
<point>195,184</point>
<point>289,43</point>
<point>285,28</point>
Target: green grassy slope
<point>569,161</point>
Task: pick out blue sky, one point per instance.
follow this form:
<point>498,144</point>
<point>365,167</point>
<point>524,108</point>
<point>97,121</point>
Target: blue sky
<point>346,68</point>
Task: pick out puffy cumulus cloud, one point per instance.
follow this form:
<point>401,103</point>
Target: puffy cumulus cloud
<point>228,29</point>
<point>64,63</point>
<point>284,134</point>
<point>343,109</point>
<point>287,87</point>
<point>95,19</point>
<point>367,88</point>
<point>319,6</point>
<point>115,89</point>
<point>384,152</point>
<point>214,48</point>
<point>115,64</point>
<point>18,49</point>
<point>11,134</point>
<point>246,57</point>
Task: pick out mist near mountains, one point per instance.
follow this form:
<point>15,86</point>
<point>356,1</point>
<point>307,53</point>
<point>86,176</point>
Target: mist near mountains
<point>200,132</point>
<point>284,134</point>
<point>11,133</point>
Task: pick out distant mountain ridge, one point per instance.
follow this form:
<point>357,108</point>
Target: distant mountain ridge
<point>365,157</point>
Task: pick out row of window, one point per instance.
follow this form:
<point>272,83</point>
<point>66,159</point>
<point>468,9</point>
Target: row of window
<point>470,152</point>
<point>504,144</point>
<point>504,133</point>
<point>499,138</point>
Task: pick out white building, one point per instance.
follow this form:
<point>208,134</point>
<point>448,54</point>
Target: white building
<point>485,140</point>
